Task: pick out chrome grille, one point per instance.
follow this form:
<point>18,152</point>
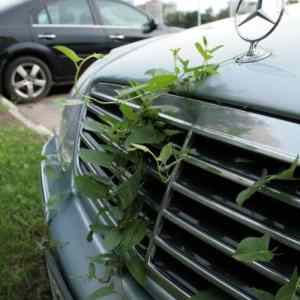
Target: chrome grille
<point>195,220</point>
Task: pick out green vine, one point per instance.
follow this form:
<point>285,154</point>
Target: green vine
<point>255,249</point>
<point>142,138</point>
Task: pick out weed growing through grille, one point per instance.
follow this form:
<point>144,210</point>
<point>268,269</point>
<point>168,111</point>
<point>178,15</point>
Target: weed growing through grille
<point>142,136</point>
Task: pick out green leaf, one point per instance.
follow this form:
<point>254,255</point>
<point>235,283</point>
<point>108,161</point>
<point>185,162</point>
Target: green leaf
<point>262,295</point>
<point>94,126</point>
<point>175,51</point>
<point>103,180</point>
<point>111,149</point>
<point>204,53</point>
<point>254,249</point>
<point>100,158</point>
<point>116,212</point>
<point>205,41</point>
<point>145,149</point>
<point>102,258</point>
<point>126,92</point>
<point>69,53</point>
<point>172,132</point>
<point>160,82</point>
<point>110,120</point>
<point>92,271</point>
<point>250,191</point>
<point>213,50</point>
<point>136,267</point>
<point>97,55</point>
<point>209,71</point>
<point>185,63</point>
<point>129,113</point>
<point>288,174</point>
<point>127,191</point>
<point>102,292</point>
<point>288,291</point>
<point>89,186</point>
<point>134,234</point>
<point>156,72</point>
<point>145,135</point>
<point>98,227</point>
<point>89,237</point>
<point>112,239</point>
<point>166,153</point>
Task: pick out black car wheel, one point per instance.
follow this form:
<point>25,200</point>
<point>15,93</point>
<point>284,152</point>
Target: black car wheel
<point>27,79</point>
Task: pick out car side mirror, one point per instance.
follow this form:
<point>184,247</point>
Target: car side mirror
<point>150,26</point>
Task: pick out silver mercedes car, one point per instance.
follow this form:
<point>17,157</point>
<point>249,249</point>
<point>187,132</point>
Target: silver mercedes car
<point>239,123</point>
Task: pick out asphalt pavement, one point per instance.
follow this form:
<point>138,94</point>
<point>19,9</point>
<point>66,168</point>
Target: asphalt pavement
<point>46,112</point>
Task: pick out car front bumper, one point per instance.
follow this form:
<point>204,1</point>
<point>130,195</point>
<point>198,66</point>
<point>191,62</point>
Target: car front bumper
<point>68,219</point>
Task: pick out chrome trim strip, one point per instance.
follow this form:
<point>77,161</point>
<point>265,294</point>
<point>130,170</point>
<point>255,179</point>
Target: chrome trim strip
<point>203,272</point>
<point>84,26</point>
<point>45,191</point>
<point>109,220</point>
<point>165,202</point>
<point>258,133</point>
<point>100,110</point>
<point>289,241</point>
<point>90,141</point>
<point>279,195</point>
<point>170,119</point>
<point>168,284</point>
<point>56,279</point>
<point>224,248</point>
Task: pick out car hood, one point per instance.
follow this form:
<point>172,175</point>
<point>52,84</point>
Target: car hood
<point>271,86</point>
<point>163,29</point>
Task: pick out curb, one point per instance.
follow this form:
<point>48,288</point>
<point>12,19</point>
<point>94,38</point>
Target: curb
<point>14,111</point>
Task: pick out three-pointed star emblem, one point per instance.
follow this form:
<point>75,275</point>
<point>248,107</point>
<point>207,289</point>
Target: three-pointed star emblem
<point>259,12</point>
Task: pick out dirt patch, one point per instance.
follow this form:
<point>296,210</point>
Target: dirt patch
<point>6,119</point>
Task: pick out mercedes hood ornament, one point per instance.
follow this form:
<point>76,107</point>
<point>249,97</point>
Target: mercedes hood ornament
<point>255,21</point>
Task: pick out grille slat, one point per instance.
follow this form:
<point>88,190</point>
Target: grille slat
<point>249,166</point>
<point>205,271</point>
<point>197,223</point>
<point>225,248</point>
<point>244,180</point>
<point>259,207</point>
<point>111,110</point>
<point>252,223</point>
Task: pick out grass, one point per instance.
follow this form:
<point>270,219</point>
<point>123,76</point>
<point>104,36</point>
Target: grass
<point>22,231</point>
<point>2,108</point>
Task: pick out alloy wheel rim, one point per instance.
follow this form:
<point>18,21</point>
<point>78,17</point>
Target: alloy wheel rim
<point>29,80</point>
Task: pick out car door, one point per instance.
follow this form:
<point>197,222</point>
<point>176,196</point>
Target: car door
<point>122,22</point>
<point>70,23</point>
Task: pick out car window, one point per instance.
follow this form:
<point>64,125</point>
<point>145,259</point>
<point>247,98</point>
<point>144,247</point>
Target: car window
<point>43,17</point>
<point>66,12</point>
<point>115,13</point>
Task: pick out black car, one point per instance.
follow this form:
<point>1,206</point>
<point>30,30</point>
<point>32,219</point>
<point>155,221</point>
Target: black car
<point>30,28</point>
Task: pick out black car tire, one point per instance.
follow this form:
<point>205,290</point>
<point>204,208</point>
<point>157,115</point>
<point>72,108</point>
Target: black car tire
<point>27,79</point>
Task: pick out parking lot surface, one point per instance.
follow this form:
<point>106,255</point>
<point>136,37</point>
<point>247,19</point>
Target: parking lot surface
<point>46,112</point>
